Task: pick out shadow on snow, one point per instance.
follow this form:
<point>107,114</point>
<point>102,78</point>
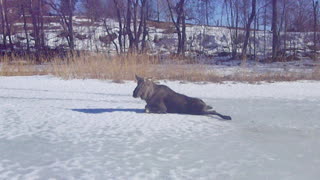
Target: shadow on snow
<point>140,111</point>
<point>108,110</point>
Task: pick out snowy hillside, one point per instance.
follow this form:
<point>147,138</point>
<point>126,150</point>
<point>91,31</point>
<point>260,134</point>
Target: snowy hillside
<point>91,129</point>
<point>209,40</point>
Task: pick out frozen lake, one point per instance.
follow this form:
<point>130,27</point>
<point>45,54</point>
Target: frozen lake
<point>90,129</point>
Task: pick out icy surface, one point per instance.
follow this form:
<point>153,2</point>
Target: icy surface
<point>90,129</point>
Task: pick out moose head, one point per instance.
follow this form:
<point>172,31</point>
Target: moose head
<point>144,89</point>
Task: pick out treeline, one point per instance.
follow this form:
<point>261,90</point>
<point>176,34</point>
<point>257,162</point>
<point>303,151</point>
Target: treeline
<point>32,17</point>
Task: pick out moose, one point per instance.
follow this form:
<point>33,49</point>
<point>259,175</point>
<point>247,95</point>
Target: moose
<point>162,99</point>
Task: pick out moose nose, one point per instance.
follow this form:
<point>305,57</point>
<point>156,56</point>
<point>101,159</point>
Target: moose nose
<point>135,93</point>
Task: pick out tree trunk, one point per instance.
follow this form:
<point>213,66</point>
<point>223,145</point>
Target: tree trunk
<point>315,24</point>
<point>256,27</point>
<point>134,35</point>
<point>275,34</point>
<point>235,38</point>
<point>4,33</point>
<point>264,33</point>
<point>120,35</point>
<point>71,34</point>
<point>180,21</point>
<point>145,30</point>
<point>248,25</point>
<point>233,21</point>
<point>8,25</point>
<point>158,11</point>
<point>36,31</point>
<point>128,26</point>
<point>207,12</point>
<point>109,34</point>
<point>184,36</point>
<point>25,28</point>
<point>41,19</point>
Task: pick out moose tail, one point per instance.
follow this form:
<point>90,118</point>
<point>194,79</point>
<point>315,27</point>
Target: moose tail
<point>217,114</point>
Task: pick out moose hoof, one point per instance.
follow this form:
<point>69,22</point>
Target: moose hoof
<point>227,118</point>
<point>146,110</point>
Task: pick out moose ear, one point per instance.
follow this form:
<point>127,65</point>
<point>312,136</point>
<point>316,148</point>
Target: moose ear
<point>139,78</point>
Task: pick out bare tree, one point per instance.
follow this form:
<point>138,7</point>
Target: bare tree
<point>65,9</point>
<point>8,24</point>
<point>3,24</point>
<point>7,18</point>
<point>178,17</point>
<point>158,10</point>
<point>110,34</point>
<point>136,23</point>
<point>119,6</point>
<point>233,19</point>
<point>264,32</point>
<point>315,5</point>
<point>144,26</point>
<point>248,25</point>
<point>283,23</point>
<point>24,6</point>
<point>274,28</point>
<point>36,11</point>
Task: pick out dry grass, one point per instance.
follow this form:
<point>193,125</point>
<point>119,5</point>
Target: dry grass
<point>316,73</point>
<point>101,67</point>
<point>16,66</point>
<point>119,68</point>
<point>125,67</point>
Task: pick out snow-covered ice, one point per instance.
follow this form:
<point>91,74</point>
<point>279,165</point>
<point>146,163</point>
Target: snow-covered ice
<point>90,129</point>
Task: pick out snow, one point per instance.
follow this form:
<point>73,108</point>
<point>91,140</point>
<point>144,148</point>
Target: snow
<point>91,129</point>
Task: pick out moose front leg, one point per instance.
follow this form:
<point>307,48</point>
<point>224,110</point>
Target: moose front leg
<point>158,108</point>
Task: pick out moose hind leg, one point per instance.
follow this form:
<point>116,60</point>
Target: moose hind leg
<point>218,114</point>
